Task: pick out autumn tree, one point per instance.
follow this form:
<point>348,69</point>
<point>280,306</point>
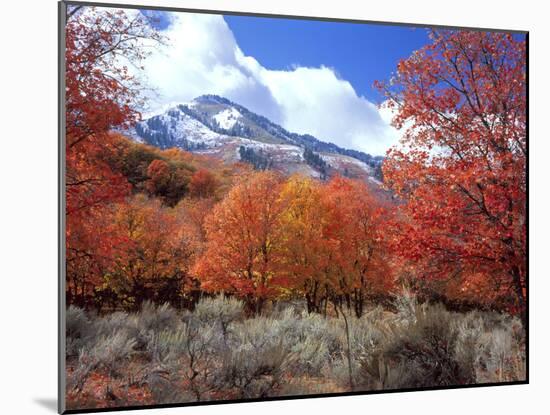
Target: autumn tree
<point>167,180</point>
<point>354,222</point>
<point>89,256</point>
<point>203,184</point>
<point>100,94</point>
<point>191,214</point>
<point>154,259</point>
<point>333,247</point>
<point>461,167</point>
<point>244,236</point>
<point>159,176</point>
<point>307,253</point>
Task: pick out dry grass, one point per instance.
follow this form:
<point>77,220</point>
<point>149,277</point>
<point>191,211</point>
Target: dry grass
<point>160,355</point>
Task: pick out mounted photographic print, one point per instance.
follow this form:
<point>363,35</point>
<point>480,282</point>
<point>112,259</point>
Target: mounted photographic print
<point>258,207</point>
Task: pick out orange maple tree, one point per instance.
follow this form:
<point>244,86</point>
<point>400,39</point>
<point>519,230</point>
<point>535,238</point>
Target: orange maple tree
<point>244,236</point>
<point>153,260</point>
<point>307,254</point>
<point>461,167</point>
<point>333,246</point>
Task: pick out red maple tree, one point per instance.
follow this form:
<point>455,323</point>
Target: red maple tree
<point>461,165</point>
<point>100,94</point>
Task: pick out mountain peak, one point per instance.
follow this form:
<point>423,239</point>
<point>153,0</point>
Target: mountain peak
<point>215,125</point>
<point>212,99</point>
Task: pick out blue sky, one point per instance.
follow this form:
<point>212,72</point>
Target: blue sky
<point>311,77</point>
<point>360,53</point>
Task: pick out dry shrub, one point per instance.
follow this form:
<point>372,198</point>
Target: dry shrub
<point>215,352</point>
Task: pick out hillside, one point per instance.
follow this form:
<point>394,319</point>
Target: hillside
<point>216,126</point>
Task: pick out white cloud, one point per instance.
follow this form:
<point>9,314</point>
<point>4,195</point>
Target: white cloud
<point>204,58</point>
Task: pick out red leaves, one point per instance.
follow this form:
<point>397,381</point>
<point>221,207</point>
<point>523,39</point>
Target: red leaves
<point>462,179</point>
<point>203,184</point>
<point>99,96</point>
<point>159,176</point>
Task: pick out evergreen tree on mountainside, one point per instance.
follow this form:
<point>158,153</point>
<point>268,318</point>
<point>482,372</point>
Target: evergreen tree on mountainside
<point>258,159</point>
<point>317,162</point>
<point>156,133</point>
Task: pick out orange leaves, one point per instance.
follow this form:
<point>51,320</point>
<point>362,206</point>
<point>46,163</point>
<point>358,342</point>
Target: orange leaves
<point>243,239</point>
<point>154,253</point>
<point>355,220</point>
<point>270,238</point>
<point>96,84</point>
<point>95,89</point>
<point>306,250</point>
<point>154,247</point>
<point>266,238</point>
<point>136,247</point>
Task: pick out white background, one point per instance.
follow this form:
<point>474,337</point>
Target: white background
<point>28,204</point>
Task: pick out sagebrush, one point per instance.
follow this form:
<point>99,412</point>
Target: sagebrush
<point>217,352</point>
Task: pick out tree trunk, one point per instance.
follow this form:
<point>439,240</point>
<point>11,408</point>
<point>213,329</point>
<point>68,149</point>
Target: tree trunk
<point>350,372</point>
<point>519,289</point>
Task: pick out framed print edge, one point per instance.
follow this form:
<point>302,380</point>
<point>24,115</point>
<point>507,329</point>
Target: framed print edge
<point>62,254</point>
<point>61,323</point>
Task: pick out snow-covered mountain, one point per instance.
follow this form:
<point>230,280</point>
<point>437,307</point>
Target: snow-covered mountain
<point>211,124</point>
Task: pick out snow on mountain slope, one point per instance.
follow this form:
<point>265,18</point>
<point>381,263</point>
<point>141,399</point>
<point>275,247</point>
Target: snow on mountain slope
<point>174,127</point>
<point>341,162</point>
<point>227,118</point>
<point>214,125</point>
